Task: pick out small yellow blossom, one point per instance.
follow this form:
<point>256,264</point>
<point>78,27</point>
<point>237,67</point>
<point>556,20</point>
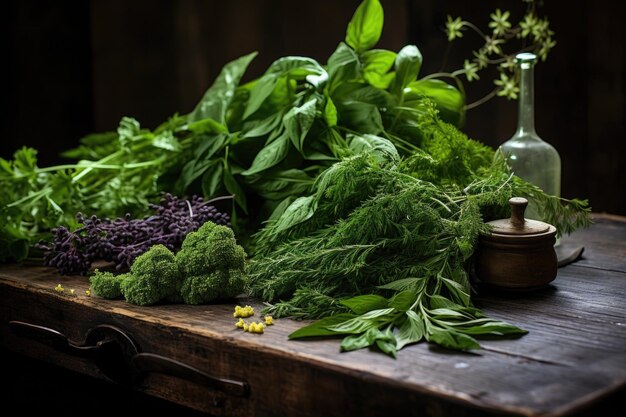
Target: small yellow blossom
<point>246,311</point>
<point>256,327</point>
<point>240,324</point>
<point>59,288</point>
<point>88,293</point>
<point>246,327</point>
<point>269,320</point>
<point>72,291</point>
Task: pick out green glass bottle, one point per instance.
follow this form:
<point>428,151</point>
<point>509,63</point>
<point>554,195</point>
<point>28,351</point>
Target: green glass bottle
<point>530,157</point>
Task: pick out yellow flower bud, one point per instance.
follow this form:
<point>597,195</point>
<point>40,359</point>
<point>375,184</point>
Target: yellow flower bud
<point>269,320</point>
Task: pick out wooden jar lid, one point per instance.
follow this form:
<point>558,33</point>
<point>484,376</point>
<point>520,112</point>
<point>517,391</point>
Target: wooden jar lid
<point>517,225</point>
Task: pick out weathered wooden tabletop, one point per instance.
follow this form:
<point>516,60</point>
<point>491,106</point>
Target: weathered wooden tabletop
<point>572,360</point>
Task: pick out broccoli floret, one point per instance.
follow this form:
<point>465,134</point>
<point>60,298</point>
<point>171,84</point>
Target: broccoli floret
<point>212,264</point>
<point>200,289</point>
<point>153,277</point>
<point>237,280</point>
<point>106,285</point>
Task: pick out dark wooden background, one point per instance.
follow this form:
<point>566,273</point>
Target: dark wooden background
<point>74,67</point>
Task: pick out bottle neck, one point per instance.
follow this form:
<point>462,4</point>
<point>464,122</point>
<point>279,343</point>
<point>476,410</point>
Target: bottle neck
<point>526,111</point>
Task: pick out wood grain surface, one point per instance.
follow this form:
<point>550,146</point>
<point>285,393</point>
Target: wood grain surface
<point>572,359</point>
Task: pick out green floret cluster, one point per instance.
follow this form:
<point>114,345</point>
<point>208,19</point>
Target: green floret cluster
<point>209,266</point>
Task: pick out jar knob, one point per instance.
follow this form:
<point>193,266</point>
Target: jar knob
<point>518,207</point>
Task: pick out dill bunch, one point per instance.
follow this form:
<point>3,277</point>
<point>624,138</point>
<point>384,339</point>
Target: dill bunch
<point>384,245</point>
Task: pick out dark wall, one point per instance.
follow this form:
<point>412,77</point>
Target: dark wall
<point>77,67</point>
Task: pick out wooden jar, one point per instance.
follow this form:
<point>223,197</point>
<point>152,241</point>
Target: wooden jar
<point>519,253</point>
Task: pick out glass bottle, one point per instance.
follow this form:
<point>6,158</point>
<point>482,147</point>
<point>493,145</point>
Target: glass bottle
<point>529,157</point>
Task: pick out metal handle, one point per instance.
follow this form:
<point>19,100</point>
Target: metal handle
<point>52,338</point>
<point>149,362</point>
<point>119,358</point>
<point>107,346</point>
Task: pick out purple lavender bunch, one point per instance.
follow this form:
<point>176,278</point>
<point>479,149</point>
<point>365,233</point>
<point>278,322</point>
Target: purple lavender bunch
<point>122,240</point>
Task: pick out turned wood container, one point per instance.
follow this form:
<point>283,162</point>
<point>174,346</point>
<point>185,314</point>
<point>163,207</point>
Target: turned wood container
<point>519,253</point>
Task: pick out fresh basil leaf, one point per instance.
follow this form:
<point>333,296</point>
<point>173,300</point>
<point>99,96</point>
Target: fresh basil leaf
<point>374,144</point>
<point>335,143</point>
<point>377,313</point>
<point>447,313</point>
<point>330,113</point>
<point>413,284</point>
<point>256,128</point>
<point>362,117</point>
<point>259,93</point>
<point>299,211</point>
<point>343,65</point>
<point>364,303</point>
<point>364,322</point>
<point>269,156</point>
<point>208,146</point>
<point>376,66</point>
<point>207,126</point>
<point>364,93</point>
<point>459,275</point>
<point>402,301</point>
<point>318,156</point>
<point>320,327</point>
<point>359,341</point>
<point>317,81</point>
<point>301,64</point>
<point>459,293</point>
<point>451,339</point>
<point>281,184</point>
<point>233,187</point>
<point>280,209</point>
<point>410,331</point>
<point>387,343</point>
<point>212,179</point>
<point>492,327</point>
<point>217,98</point>
<point>354,326</point>
<point>193,170</point>
<point>449,100</point>
<point>438,301</point>
<point>298,122</point>
<point>366,26</point>
<point>408,64</point>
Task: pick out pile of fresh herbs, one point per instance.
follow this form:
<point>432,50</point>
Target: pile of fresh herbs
<point>372,198</point>
<point>383,247</point>
<point>264,142</point>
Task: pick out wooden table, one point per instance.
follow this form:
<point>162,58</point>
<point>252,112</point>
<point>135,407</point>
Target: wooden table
<point>573,361</point>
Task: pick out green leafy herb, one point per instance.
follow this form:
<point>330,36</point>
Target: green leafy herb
<point>376,224</point>
<point>366,26</point>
